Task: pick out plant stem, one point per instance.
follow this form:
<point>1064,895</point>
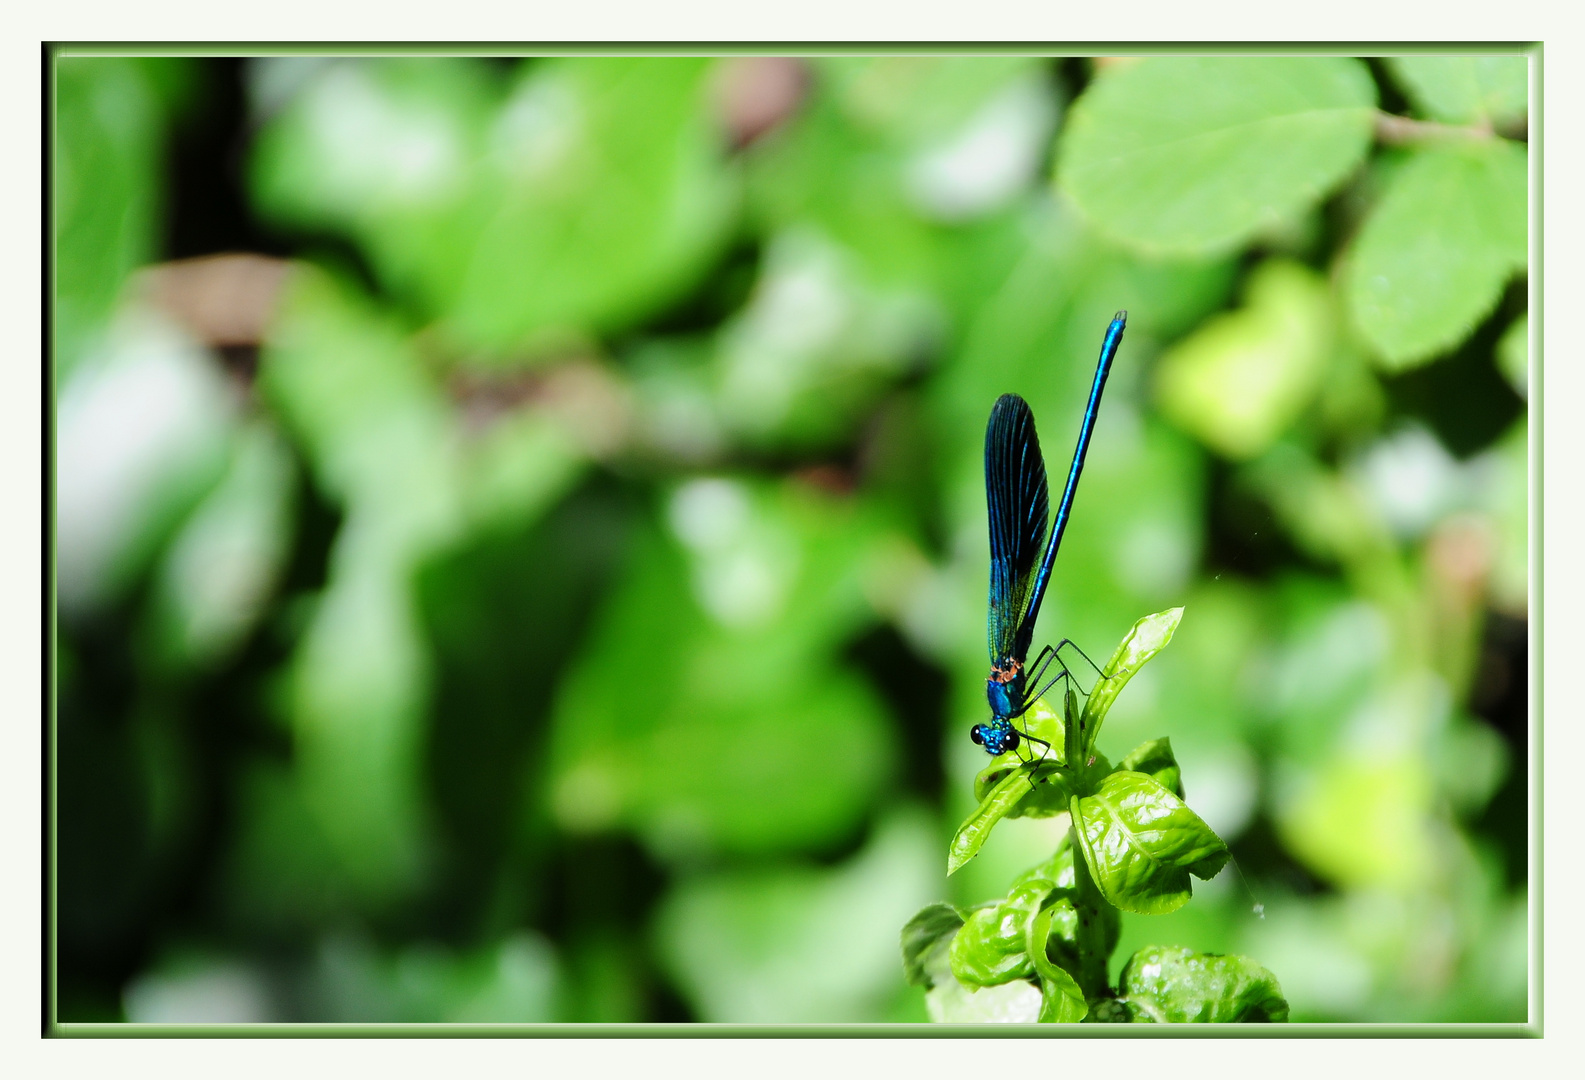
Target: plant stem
<point>1094,949</point>
<point>1395,130</point>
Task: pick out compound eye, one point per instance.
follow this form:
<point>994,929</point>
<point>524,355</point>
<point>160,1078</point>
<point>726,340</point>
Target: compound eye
<point>974,733</point>
<point>1012,740</point>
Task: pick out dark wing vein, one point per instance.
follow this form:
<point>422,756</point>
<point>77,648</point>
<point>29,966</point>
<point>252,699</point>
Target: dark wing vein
<point>1016,503</point>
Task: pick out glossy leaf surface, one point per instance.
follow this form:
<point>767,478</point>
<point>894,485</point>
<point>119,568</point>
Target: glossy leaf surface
<point>998,802</point>
<point>1141,843</point>
<point>1173,985</point>
<point>1155,760</point>
<point>1145,639</point>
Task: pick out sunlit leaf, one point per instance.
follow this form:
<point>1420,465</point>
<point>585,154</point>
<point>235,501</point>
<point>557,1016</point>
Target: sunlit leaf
<point>1155,760</point>
<point>1001,799</point>
<point>1363,821</point>
<point>1141,843</point>
<point>1434,255</point>
<point>1242,378</point>
<point>1194,155</point>
<point>1144,640</point>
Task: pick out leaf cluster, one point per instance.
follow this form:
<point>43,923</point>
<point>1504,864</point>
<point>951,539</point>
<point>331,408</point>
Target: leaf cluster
<point>1132,845</point>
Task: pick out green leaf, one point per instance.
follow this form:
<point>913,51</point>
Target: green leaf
<point>1465,89</point>
<point>678,618</point>
<point>994,945</point>
<point>1242,378</point>
<point>576,200</point>
<point>1168,984</point>
<point>1061,998</point>
<point>1144,639</point>
<point>1017,1002</point>
<point>1433,257</point>
<point>1155,760</point>
<point>1195,155</point>
<point>1513,354</point>
<point>1009,940</point>
<point>934,925</point>
<point>1141,843</point>
<point>971,835</point>
<point>105,185</point>
<point>788,943</point>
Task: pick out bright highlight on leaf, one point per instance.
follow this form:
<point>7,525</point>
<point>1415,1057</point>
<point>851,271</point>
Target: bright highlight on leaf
<point>1145,639</point>
<point>1195,155</point>
<point>1239,381</point>
<point>1141,842</point>
<point>1172,984</point>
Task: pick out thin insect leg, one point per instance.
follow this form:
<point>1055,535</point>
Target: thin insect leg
<point>1034,761</point>
<point>1081,652</point>
<point>1037,670</point>
<point>1029,702</point>
<point>1044,652</point>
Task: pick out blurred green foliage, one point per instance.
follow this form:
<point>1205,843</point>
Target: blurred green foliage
<point>563,598</point>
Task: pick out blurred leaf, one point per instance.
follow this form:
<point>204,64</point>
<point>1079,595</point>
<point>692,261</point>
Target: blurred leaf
<point>200,990</point>
<point>795,944</point>
<point>1195,155</point>
<point>1168,984</point>
<point>1144,640</point>
<point>934,924</point>
<point>376,434</point>
<point>477,206</point>
<point>1155,760</point>
<point>991,159</point>
<point>1242,378</point>
<point>219,571</point>
<point>730,644</point>
<point>1513,354</point>
<point>912,99</point>
<point>1328,517</point>
<point>513,980</point>
<point>1434,255</point>
<point>144,428</point>
<point>815,346</point>
<point>108,127</point>
<point>1141,843</point>
<point>625,136</point>
<point>1361,821</point>
<point>1465,89</point>
<point>1508,496</point>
